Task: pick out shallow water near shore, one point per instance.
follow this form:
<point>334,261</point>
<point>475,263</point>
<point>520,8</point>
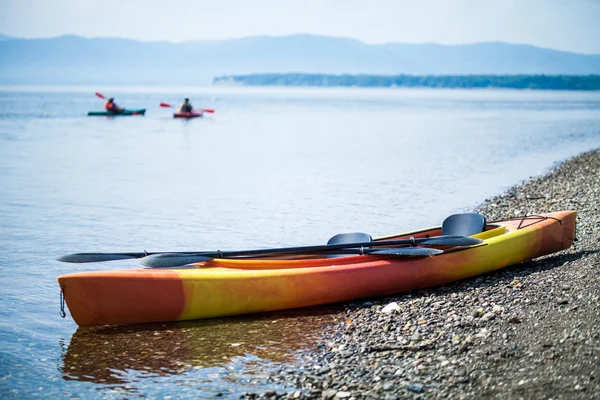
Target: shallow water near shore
<point>271,168</point>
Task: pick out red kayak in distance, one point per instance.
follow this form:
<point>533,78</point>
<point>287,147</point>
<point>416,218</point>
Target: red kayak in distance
<point>188,115</point>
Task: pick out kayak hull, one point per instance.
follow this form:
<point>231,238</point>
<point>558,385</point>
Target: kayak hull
<point>224,287</point>
<point>125,113</point>
<point>188,115</point>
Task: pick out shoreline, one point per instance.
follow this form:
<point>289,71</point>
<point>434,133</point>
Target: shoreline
<point>588,82</point>
<point>531,330</point>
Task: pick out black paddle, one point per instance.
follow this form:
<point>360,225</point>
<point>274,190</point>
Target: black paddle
<point>433,241</point>
<point>166,260</point>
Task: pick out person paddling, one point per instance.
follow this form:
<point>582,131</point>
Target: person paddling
<point>112,107</point>
<point>186,107</point>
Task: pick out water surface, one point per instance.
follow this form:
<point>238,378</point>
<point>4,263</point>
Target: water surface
<point>271,168</point>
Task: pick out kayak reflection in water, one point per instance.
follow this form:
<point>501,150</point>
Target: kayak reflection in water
<point>114,354</point>
<point>186,107</point>
<point>111,106</point>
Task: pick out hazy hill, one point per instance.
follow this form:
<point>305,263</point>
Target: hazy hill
<point>73,59</point>
<point>529,82</point>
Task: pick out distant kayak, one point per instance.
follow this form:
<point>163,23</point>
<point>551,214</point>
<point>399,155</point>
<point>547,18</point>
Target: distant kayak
<point>124,113</point>
<point>187,114</point>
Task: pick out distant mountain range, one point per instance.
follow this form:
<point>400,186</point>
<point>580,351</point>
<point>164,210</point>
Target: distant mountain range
<point>76,60</point>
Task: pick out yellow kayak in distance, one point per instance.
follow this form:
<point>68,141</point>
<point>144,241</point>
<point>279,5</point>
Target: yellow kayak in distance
<point>242,285</point>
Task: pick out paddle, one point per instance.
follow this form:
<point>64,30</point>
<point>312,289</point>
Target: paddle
<point>206,110</point>
<point>433,241</point>
<point>167,260</point>
<point>100,95</point>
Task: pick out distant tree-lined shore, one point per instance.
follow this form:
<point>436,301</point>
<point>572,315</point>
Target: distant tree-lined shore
<point>532,82</point>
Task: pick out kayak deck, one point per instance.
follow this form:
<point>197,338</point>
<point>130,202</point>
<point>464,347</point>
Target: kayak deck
<point>223,287</point>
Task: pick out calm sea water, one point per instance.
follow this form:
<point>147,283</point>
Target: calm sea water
<point>271,168</point>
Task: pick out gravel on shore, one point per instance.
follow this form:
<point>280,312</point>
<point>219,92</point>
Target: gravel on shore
<point>530,331</point>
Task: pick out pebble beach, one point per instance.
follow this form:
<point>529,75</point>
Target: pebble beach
<point>529,331</point>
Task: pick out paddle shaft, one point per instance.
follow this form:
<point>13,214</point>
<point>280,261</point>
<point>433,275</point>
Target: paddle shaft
<point>176,260</point>
<point>439,241</point>
<point>325,248</point>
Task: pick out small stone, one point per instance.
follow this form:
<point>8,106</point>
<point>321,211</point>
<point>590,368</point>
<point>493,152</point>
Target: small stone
<point>516,283</point>
<point>562,300</point>
<point>513,319</point>
<point>415,388</point>
<point>478,313</point>
<point>488,316</point>
<point>343,395</point>
<point>465,345</point>
<point>390,308</point>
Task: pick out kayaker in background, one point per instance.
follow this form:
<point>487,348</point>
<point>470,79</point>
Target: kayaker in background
<point>111,106</point>
<point>186,107</point>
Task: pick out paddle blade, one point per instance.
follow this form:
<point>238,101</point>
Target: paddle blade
<point>208,110</point>
<point>166,105</point>
<point>100,95</point>
<point>406,252</point>
<point>166,260</point>
<point>451,241</point>
<point>94,257</point>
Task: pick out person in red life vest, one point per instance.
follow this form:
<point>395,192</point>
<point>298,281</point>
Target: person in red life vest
<point>112,107</point>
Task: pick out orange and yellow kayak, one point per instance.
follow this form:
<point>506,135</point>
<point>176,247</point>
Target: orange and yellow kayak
<point>223,287</point>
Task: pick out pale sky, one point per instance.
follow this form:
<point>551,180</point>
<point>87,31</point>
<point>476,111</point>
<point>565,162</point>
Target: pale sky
<point>572,25</point>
